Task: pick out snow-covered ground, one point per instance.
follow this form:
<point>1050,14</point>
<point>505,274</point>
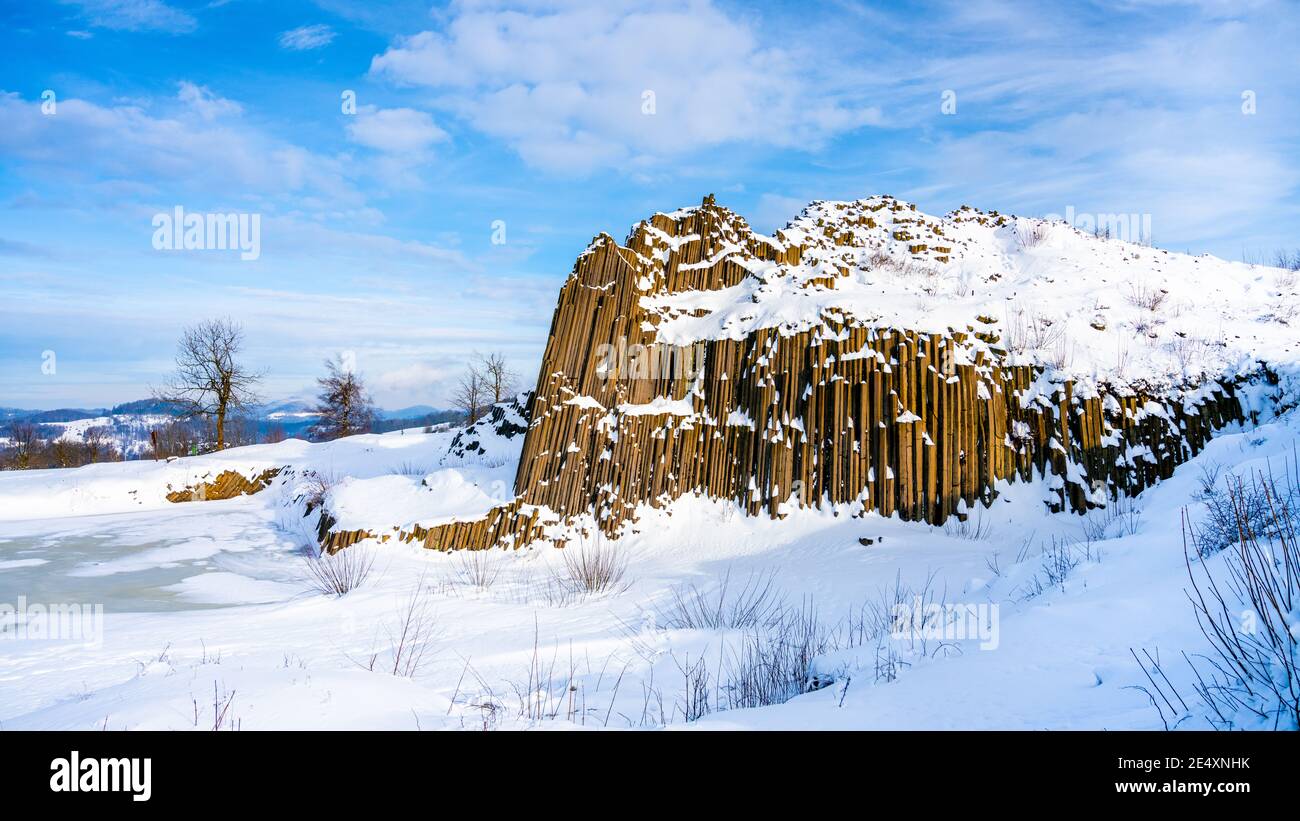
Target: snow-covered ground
<point>209,602</point>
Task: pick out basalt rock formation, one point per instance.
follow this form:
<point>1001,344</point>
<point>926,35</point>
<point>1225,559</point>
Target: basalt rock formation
<point>227,485</point>
<point>503,420</point>
<point>700,357</point>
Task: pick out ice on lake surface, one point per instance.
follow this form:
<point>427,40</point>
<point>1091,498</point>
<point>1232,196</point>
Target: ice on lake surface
<point>150,562</point>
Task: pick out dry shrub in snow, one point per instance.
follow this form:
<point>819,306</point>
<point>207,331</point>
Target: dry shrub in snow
<point>1285,282</point>
<point>1148,298</point>
<point>477,568</point>
<point>976,529</point>
<point>1286,261</point>
<point>1236,509</point>
<point>339,573</point>
<point>767,664</point>
<point>774,666</point>
<point>1060,559</point>
<point>593,567</point>
<point>775,656</point>
<point>222,717</point>
<point>756,603</point>
<point>1057,562</point>
<point>317,487</point>
<point>1029,234</point>
<point>1191,354</point>
<point>1248,609</point>
<point>879,259</point>
<point>1097,523</point>
<point>410,636</point>
<point>694,702</point>
<point>1028,331</point>
<point>410,469</point>
<point>1253,673</point>
<point>553,688</point>
<point>1061,355</point>
<point>767,653</point>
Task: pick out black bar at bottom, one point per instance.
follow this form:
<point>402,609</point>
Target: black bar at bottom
<point>332,770</point>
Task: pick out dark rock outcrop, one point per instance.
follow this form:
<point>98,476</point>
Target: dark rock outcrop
<point>504,420</point>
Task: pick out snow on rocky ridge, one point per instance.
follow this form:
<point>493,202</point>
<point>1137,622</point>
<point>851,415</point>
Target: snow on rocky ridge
<point>1089,307</point>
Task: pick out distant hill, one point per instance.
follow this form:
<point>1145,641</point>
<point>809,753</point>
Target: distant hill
<point>291,406</point>
<point>60,415</point>
<point>131,422</point>
<point>395,422</point>
<point>409,413</point>
<point>147,406</point>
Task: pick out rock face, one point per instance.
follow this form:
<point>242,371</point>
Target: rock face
<point>227,485</point>
<point>703,358</point>
<point>504,420</point>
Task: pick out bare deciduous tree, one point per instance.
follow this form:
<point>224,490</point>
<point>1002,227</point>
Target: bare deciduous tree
<point>64,453</point>
<point>209,382</point>
<point>496,373</point>
<point>98,442</point>
<point>29,450</point>
<point>176,438</point>
<point>25,441</point>
<point>487,380</point>
<point>241,430</point>
<point>472,394</point>
<point>344,405</point>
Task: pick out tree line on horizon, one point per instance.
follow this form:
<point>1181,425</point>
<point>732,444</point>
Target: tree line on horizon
<point>212,391</point>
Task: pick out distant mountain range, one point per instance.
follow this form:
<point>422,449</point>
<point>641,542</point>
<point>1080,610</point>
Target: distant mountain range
<point>154,407</point>
<point>131,422</point>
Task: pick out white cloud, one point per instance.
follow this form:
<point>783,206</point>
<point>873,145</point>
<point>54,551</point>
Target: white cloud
<point>565,86</point>
<point>204,103</point>
<point>394,130</point>
<point>305,38</point>
<point>1146,120</point>
<point>1203,176</point>
<point>366,252</point>
<point>418,378</point>
<point>135,15</point>
<point>207,155</point>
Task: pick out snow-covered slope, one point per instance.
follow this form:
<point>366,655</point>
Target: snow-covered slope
<point>1089,307</point>
<point>128,433</point>
<point>212,597</point>
<point>373,478</point>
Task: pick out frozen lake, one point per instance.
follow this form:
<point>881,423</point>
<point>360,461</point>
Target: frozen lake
<point>150,562</point>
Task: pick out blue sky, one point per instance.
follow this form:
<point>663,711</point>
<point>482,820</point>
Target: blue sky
<point>377,226</point>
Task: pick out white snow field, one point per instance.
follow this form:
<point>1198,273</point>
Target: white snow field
<point>209,619</point>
